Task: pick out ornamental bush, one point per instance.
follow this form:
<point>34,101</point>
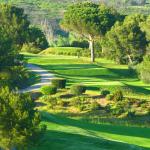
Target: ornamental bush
<point>48,90</point>
<point>78,89</point>
<point>60,83</point>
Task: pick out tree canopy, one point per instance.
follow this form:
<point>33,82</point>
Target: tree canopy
<point>19,121</point>
<point>125,42</point>
<point>37,37</point>
<point>13,31</point>
<point>89,20</point>
<point>144,69</point>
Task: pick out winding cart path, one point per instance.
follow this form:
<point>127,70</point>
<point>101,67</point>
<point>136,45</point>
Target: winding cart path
<point>45,78</point>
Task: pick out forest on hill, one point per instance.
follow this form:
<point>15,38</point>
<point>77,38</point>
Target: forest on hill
<point>47,14</point>
<point>39,10</point>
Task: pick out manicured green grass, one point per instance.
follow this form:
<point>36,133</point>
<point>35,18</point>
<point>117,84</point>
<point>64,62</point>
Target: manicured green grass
<point>67,134</point>
<point>104,73</point>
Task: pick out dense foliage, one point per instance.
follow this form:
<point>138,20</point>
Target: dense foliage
<point>126,42</point>
<point>19,121</point>
<point>144,69</point>
<point>37,37</point>
<point>13,31</point>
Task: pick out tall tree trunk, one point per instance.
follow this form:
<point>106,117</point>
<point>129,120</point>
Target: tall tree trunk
<point>91,47</point>
<point>130,59</point>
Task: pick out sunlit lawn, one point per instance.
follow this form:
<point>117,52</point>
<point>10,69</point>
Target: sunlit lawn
<point>104,73</point>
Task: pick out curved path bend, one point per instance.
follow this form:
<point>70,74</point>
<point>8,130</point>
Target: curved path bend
<point>45,78</point>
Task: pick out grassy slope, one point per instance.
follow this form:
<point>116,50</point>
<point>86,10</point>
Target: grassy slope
<point>104,73</point>
<point>68,134</point>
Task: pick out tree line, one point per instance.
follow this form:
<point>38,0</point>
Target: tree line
<point>124,39</point>
<point>19,120</point>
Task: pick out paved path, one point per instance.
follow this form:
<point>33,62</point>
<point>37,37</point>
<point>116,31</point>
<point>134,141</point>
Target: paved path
<point>44,75</point>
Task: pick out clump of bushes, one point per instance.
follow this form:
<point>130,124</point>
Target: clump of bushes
<point>105,92</point>
<point>60,83</point>
<point>78,89</point>
<point>48,90</point>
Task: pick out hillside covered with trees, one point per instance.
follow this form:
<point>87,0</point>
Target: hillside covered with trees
<point>52,10</point>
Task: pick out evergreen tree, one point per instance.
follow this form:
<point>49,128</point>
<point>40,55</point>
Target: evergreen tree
<point>19,121</point>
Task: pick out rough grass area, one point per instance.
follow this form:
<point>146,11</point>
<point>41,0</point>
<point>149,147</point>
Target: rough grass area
<point>103,74</point>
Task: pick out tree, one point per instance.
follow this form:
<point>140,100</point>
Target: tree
<point>146,28</point>
<point>125,42</point>
<point>144,69</point>
<point>19,121</point>
<point>37,37</point>
<point>14,27</point>
<point>90,21</point>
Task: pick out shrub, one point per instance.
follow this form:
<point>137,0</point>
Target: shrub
<point>118,96</point>
<point>47,90</point>
<point>105,92</point>
<point>60,83</point>
<point>78,89</point>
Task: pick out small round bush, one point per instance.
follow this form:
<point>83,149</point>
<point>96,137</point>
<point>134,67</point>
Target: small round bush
<point>48,90</point>
<point>60,83</point>
<point>105,92</point>
<point>78,89</point>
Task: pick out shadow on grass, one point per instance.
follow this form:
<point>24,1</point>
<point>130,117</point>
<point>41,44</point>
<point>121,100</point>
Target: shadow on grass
<point>98,142</point>
<point>56,140</point>
<point>94,72</point>
<point>119,130</point>
<point>91,71</point>
<point>139,89</point>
